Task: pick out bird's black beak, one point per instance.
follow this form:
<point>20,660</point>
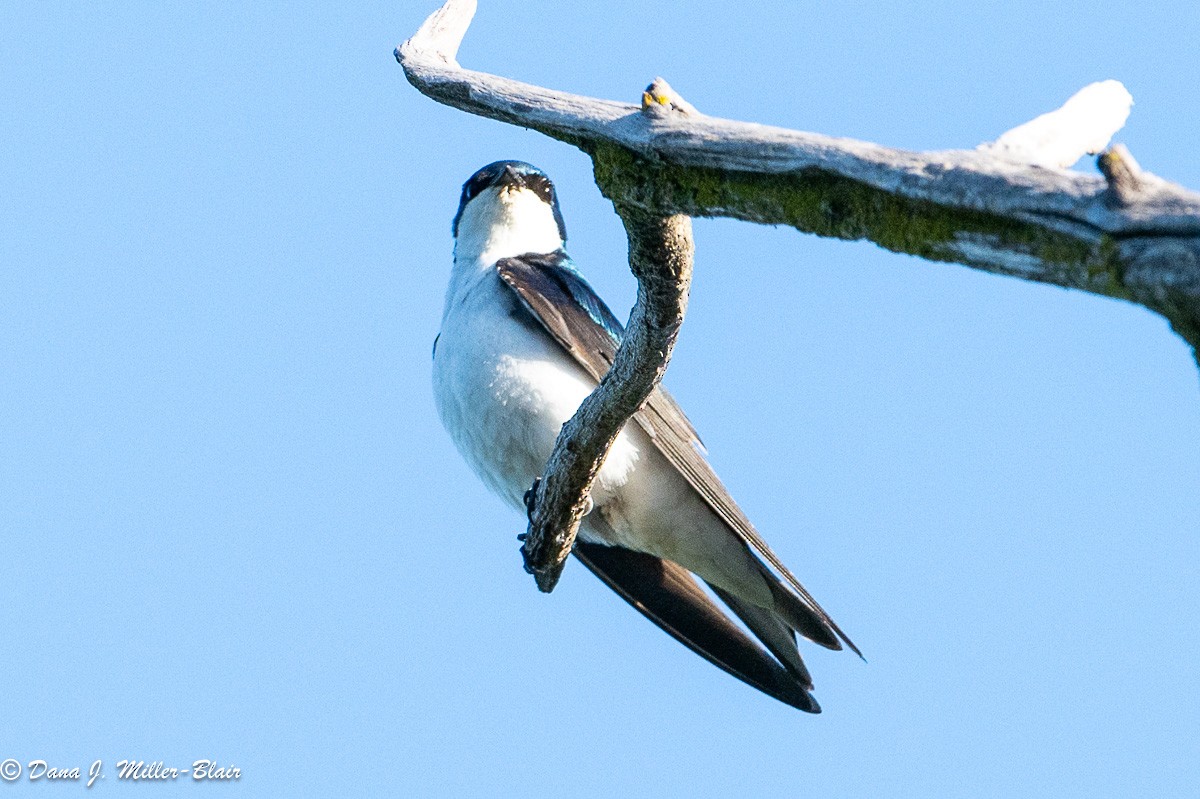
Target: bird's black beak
<point>509,177</point>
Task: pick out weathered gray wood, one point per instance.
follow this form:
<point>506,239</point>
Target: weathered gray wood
<point>1133,236</point>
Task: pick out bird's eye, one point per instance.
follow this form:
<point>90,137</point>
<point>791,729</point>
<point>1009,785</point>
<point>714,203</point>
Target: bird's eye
<point>475,185</point>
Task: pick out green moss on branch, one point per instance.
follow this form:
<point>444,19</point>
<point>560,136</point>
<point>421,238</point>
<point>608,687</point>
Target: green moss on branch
<point>820,202</point>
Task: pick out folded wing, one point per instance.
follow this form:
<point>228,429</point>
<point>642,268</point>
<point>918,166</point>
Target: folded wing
<point>563,303</point>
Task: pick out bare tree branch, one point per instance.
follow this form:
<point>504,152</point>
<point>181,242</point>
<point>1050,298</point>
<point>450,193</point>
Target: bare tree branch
<point>968,206</point>
<point>1006,207</point>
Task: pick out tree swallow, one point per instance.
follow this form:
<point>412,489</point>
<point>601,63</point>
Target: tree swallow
<point>524,340</point>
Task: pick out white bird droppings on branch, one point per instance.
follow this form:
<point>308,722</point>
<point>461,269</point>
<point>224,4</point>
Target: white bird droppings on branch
<point>1084,125</point>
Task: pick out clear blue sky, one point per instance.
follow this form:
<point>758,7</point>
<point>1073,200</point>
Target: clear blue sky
<point>233,527</point>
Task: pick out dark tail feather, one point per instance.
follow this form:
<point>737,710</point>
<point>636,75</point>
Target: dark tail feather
<point>772,631</point>
<point>667,594</point>
<point>811,622</point>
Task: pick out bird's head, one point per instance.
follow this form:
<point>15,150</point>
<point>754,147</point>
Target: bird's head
<point>510,205</point>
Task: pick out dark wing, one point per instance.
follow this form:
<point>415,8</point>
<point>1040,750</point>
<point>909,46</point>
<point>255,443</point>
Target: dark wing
<point>565,305</point>
<point>560,299</point>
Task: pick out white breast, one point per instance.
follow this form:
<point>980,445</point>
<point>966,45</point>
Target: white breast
<point>504,389</point>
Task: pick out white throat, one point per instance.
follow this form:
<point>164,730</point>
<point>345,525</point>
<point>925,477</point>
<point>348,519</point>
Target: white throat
<point>501,223</point>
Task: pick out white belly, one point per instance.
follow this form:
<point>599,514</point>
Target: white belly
<point>504,389</point>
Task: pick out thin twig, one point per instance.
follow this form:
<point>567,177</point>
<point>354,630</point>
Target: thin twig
<point>660,255</point>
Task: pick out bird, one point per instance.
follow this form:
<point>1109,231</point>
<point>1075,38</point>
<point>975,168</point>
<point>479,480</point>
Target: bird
<point>523,340</point>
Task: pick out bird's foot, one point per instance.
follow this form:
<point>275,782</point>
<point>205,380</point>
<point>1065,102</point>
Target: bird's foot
<point>530,498</point>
